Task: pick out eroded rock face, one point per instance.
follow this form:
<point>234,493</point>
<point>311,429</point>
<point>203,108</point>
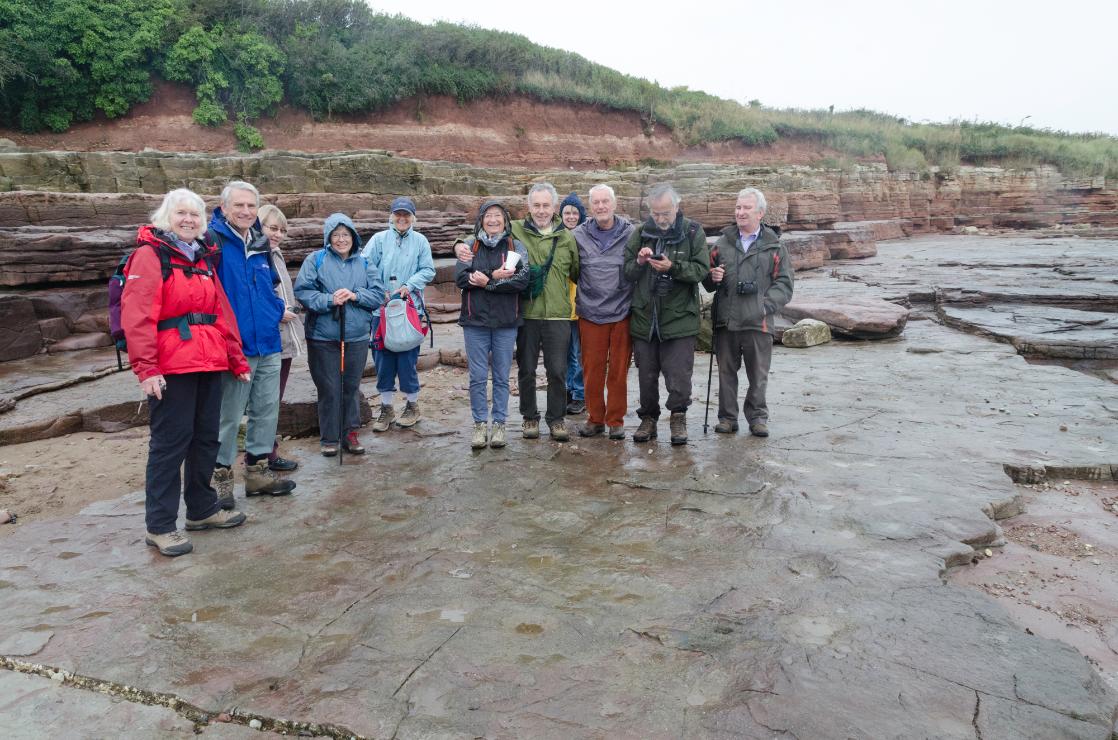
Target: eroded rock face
<point>853,317</point>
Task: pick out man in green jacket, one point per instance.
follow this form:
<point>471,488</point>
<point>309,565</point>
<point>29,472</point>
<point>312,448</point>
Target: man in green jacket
<point>751,281</point>
<point>552,250</point>
<point>665,259</point>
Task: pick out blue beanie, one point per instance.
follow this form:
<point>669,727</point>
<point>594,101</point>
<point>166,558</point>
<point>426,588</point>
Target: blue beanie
<point>573,200</point>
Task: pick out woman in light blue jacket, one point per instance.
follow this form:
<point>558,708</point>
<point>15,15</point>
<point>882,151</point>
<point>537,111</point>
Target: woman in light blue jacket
<point>402,258</point>
<point>333,279</point>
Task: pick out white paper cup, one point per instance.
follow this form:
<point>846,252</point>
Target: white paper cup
<point>511,260</point>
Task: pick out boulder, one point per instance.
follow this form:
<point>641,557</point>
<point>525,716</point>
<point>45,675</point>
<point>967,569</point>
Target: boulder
<point>806,333</point>
<point>54,329</point>
<point>852,317</point>
<point>20,335</point>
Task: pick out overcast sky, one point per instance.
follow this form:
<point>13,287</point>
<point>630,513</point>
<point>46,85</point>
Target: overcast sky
<point>1051,65</point>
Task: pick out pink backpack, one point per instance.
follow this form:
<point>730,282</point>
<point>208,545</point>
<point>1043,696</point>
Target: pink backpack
<point>401,329</point>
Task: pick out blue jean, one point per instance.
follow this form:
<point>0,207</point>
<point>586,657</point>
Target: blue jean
<point>574,366</point>
<point>489,351</point>
<point>260,399</point>
<point>392,365</point>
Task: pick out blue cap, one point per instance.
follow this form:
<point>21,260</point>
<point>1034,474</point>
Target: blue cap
<point>403,204</point>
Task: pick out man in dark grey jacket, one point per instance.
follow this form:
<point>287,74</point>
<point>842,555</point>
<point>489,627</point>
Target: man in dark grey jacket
<point>602,305</point>
<point>751,278</point>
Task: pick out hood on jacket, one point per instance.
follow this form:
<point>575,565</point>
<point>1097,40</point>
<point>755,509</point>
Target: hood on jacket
<point>478,230</point>
<point>333,221</point>
<point>573,200</point>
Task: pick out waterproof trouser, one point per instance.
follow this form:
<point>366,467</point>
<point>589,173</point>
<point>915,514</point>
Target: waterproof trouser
<point>553,337</point>
<point>324,359</point>
<point>675,359</point>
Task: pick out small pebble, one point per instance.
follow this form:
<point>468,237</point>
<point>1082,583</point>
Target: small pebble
<point>255,724</point>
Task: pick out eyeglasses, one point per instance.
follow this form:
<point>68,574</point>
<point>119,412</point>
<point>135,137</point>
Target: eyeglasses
<point>275,228</point>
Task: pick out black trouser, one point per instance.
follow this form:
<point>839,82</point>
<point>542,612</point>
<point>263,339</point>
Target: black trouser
<point>184,426</point>
<point>756,349</point>
<point>675,358</point>
<point>324,359</point>
<point>554,338</point>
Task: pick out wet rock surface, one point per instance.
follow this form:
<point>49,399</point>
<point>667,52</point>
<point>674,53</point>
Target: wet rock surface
<point>791,586</point>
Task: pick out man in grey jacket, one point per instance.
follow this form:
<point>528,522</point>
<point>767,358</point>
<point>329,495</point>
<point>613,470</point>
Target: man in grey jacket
<point>751,278</point>
<point>602,305</point>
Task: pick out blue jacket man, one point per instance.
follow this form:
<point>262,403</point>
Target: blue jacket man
<point>249,280</point>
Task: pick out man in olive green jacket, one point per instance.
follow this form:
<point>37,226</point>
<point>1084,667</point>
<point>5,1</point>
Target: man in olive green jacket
<point>751,281</point>
<point>665,260</point>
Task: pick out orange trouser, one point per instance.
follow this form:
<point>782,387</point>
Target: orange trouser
<point>607,350</point>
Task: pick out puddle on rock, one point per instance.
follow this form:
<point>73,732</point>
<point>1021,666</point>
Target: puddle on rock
<point>529,629</point>
<point>68,555</point>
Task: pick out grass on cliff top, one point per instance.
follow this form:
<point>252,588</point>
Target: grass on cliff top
<point>62,61</point>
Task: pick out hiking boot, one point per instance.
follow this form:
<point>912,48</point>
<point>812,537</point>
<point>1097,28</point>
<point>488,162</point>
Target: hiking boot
<point>481,435</point>
<point>646,431</point>
<point>260,481</point>
<point>328,449</point>
<point>221,520</point>
<point>678,425</point>
<point>497,439</point>
<point>558,430</point>
<point>617,432</point>
<point>575,407</point>
<point>531,429</point>
<point>222,481</point>
<point>726,426</point>
<point>759,428</point>
<point>384,421</point>
<point>590,429</point>
<point>171,544</point>
<point>410,415</point>
<point>352,444</point>
<point>282,465</point>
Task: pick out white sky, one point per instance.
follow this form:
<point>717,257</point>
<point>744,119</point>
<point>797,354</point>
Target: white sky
<point>1052,64</point>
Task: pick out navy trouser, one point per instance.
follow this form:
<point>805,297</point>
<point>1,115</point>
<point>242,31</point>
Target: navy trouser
<point>184,426</point>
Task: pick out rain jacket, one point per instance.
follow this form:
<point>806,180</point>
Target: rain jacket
<point>767,265</point>
<point>675,314</point>
<point>325,271</point>
<point>249,280</point>
<point>497,305</point>
<point>604,294</point>
<point>406,256</point>
<point>555,300</point>
<point>149,299</point>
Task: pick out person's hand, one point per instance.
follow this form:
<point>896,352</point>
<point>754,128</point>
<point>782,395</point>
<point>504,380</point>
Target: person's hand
<point>643,255</point>
<point>287,316</point>
<point>479,279</point>
<point>154,386</point>
<point>661,265</point>
<point>404,291</point>
<point>245,377</point>
<point>341,295</point>
<point>717,273</point>
<point>463,252</point>
<point>502,274</point>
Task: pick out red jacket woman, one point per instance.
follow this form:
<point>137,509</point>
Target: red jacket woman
<point>181,337</point>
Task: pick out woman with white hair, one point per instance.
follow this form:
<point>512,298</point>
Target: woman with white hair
<point>181,337</point>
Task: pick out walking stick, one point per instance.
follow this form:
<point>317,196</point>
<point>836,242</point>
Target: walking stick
<point>710,373</point>
<point>341,394</point>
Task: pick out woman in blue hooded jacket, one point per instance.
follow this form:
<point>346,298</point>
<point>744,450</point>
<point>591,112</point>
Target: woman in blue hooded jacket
<point>333,279</point>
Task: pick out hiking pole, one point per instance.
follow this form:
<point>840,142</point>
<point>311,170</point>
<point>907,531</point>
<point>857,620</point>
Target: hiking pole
<point>710,372</point>
<point>341,394</point>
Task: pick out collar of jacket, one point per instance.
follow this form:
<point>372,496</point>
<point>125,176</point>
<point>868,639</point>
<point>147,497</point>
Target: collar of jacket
<point>768,236</point>
<point>674,235</point>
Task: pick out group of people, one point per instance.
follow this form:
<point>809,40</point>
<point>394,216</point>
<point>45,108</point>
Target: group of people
<point>213,321</point>
<point>634,291</point>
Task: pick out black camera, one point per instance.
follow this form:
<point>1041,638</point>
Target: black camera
<point>746,287</point>
<point>662,284</point>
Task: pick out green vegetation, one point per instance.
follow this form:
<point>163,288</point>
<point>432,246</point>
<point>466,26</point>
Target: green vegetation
<point>62,61</point>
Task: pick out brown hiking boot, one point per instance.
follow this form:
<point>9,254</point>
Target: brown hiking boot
<point>558,430</point>
<point>678,426</point>
<point>221,520</point>
<point>617,432</point>
<point>171,544</point>
<point>531,429</point>
<point>260,481</point>
<point>222,481</point>
<point>384,421</point>
<point>410,415</point>
<point>590,429</point>
<point>726,426</point>
<point>646,431</point>
<point>759,428</point>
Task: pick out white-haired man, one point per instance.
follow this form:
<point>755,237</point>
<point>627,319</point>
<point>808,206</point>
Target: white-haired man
<point>752,280</point>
